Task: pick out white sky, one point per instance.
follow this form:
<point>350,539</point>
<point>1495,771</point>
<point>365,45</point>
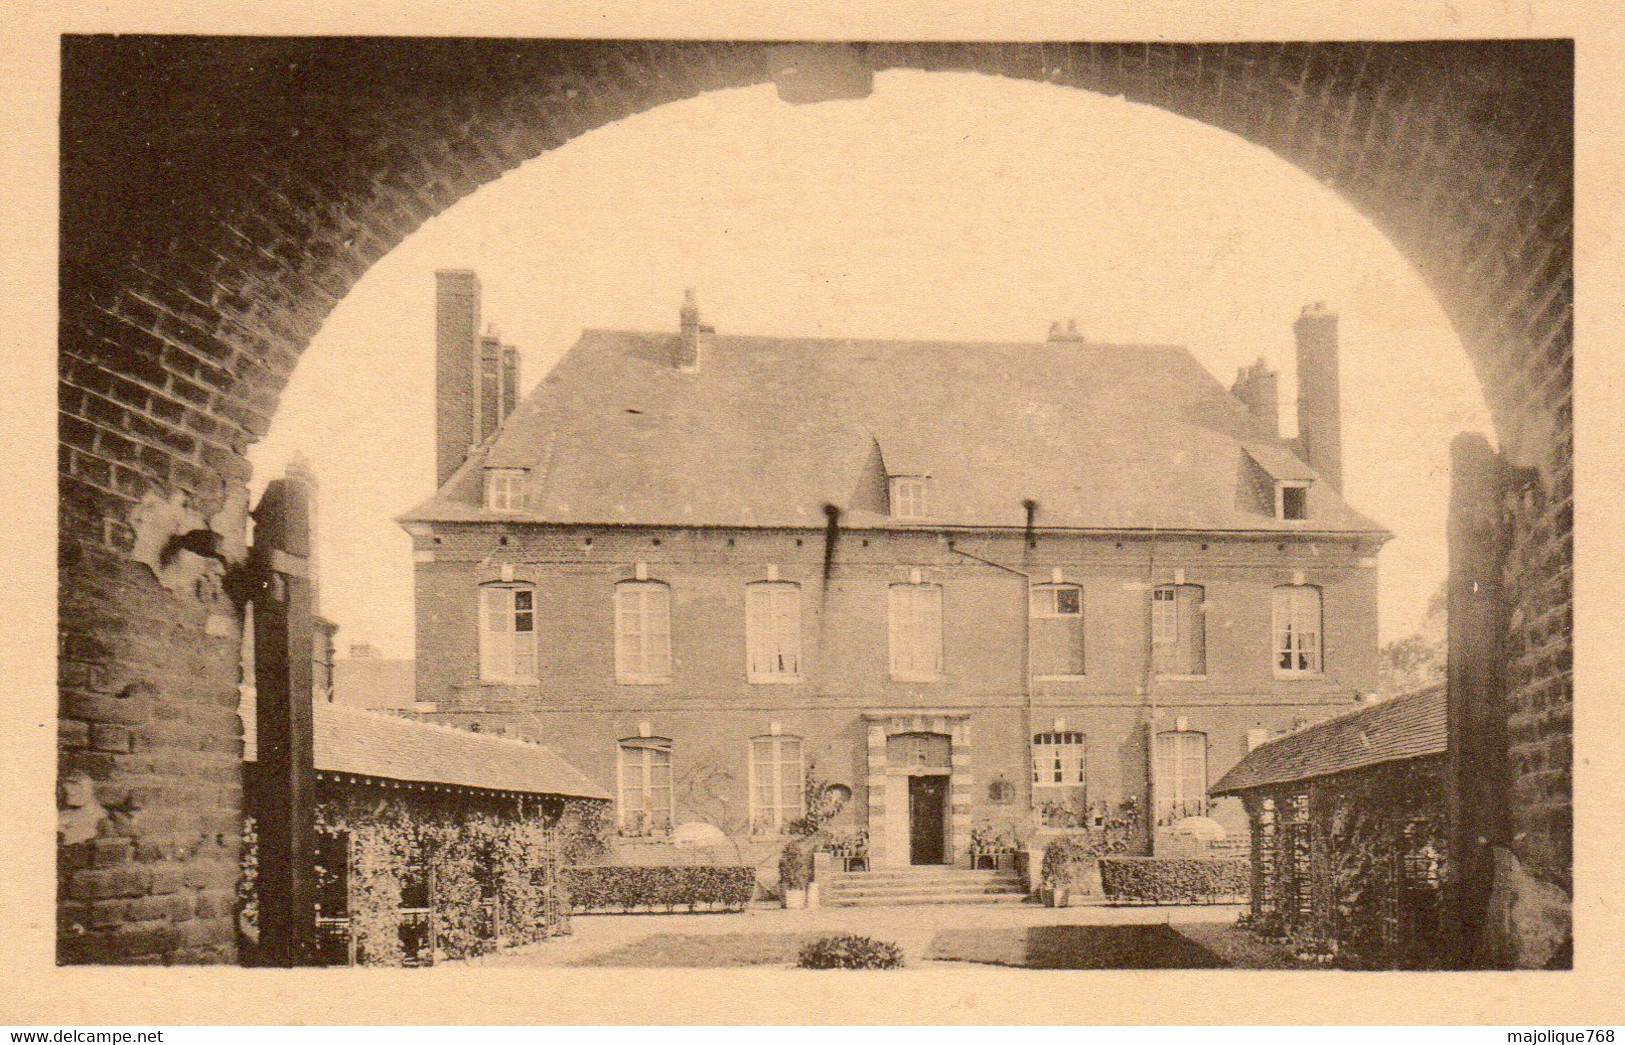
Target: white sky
<point>949,206</point>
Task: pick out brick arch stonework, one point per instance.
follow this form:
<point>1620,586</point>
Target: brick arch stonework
<point>220,196</point>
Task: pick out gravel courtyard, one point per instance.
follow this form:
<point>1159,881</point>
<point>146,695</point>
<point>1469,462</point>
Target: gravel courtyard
<point>1024,935</point>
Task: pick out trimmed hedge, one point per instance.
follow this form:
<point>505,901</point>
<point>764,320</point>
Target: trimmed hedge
<point>629,889</point>
<point>850,952</point>
<point>1166,880</point>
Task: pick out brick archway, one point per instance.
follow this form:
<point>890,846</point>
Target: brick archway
<point>220,197</point>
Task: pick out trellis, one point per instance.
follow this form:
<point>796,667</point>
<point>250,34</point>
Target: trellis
<point>1355,864</point>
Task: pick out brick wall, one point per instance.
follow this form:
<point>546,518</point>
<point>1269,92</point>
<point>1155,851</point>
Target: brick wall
<point>844,626</point>
<point>710,710</point>
<point>199,253</point>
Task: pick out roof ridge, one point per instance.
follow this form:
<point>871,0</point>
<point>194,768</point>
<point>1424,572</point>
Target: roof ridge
<point>837,339</point>
<point>1370,709</point>
<point>529,745</point>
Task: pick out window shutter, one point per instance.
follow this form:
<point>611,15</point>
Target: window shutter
<point>787,629</point>
<point>657,606</point>
<point>931,595</point>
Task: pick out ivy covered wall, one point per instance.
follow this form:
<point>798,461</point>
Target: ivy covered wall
<point>410,875</point>
<point>1353,867</point>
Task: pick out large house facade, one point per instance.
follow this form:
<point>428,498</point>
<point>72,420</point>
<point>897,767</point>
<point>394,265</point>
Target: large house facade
<point>1026,587</point>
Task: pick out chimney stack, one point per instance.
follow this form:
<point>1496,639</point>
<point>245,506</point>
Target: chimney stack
<point>510,380</point>
<point>488,411</point>
<point>693,337</point>
<point>1258,388</point>
<point>457,349</point>
<point>1320,411</point>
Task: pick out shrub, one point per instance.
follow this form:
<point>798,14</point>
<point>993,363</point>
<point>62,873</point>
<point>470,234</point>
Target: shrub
<point>795,865</point>
<point>1163,880</point>
<point>667,888</point>
<point>1064,860</point>
<point>850,952</point>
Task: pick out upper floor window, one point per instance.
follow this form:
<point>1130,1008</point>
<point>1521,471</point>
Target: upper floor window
<point>505,489</point>
<point>642,632</point>
<point>507,632</point>
<point>1181,775</point>
<point>773,631</point>
<point>777,783</point>
<point>910,497</point>
<point>1056,631</point>
<point>915,626</point>
<point>1292,501</point>
<point>1179,629</point>
<point>1059,759</point>
<point>644,779</point>
<point>1296,619</point>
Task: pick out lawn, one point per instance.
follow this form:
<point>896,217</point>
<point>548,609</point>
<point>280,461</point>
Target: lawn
<point>1076,947</point>
<point>705,951</point>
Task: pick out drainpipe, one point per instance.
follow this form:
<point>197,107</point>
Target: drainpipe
<point>832,532</point>
<point>1148,683</point>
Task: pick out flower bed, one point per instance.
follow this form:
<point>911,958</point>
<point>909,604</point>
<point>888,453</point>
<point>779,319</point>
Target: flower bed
<point>1173,880</point>
<point>628,889</point>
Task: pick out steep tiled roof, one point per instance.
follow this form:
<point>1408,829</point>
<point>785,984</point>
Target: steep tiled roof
<point>768,430</point>
<point>366,743</point>
<point>1406,727</point>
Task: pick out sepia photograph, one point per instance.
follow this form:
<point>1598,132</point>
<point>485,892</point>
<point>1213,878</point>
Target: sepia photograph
<point>676,505</point>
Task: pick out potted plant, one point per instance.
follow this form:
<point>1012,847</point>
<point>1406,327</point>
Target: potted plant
<point>989,845</point>
<point>1071,870</point>
<point>795,874</point>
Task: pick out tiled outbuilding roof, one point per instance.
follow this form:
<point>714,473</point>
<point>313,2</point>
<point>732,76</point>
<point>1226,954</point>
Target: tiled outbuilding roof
<point>766,431</point>
<point>1403,728</point>
<point>388,747</point>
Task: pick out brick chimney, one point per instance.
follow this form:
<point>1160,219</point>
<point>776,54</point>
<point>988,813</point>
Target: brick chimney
<point>457,351</point>
<point>490,405</point>
<point>510,380</point>
<point>693,337</point>
<point>1320,411</point>
<point>1258,388</point>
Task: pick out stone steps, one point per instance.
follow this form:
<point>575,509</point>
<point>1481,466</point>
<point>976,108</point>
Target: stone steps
<point>922,885</point>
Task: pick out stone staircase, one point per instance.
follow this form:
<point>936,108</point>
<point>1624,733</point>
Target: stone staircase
<point>921,885</point>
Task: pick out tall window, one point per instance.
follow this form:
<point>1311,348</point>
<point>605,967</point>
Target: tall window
<point>777,784</point>
<point>1179,629</point>
<point>1056,629</point>
<point>507,632</point>
<point>773,631</point>
<point>1181,768</point>
<point>645,777</point>
<point>642,632</point>
<point>1059,759</point>
<point>1297,629</point>
<point>910,497</point>
<point>915,625</point>
<point>505,489</point>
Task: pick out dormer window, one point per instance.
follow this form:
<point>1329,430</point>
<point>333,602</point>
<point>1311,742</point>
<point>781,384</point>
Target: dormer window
<point>505,489</point>
<point>1292,501</point>
<point>910,496</point>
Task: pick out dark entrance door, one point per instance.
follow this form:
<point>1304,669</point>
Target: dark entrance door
<point>927,818</point>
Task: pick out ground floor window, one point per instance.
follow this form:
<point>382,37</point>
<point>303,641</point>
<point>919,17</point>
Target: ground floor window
<point>645,785</point>
<point>777,782</point>
<point>1060,780</point>
<point>1181,775</point>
